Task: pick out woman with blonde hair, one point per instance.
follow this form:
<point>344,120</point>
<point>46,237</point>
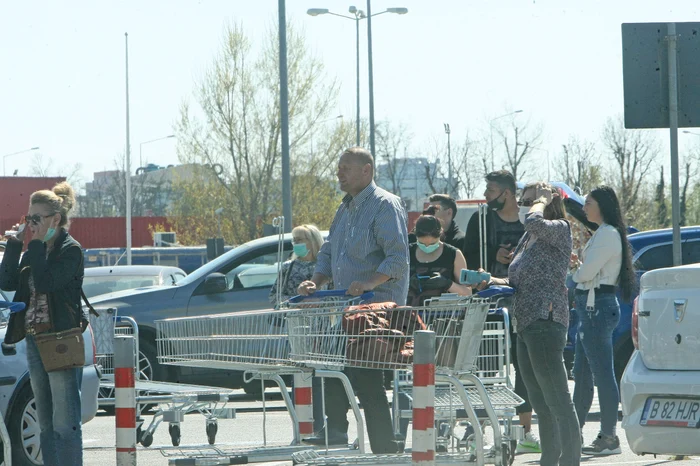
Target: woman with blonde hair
<point>307,241</point>
<point>48,278</point>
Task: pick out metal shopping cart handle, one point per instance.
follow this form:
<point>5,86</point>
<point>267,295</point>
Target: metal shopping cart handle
<point>13,307</point>
<point>496,291</point>
<point>366,296</point>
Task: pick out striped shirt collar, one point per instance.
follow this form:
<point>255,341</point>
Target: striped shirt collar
<point>362,195</point>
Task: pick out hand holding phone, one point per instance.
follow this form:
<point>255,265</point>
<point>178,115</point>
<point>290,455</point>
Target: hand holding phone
<point>17,232</point>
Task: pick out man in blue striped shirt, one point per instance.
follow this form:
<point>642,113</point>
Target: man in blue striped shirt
<point>366,250</point>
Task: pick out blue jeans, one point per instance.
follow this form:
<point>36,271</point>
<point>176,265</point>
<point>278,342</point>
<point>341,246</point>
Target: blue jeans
<point>541,362</point>
<point>57,398</point>
<point>593,363</point>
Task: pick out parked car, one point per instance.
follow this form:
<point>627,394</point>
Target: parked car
<point>102,280</point>
<point>651,251</point>
<point>238,280</point>
<point>659,388</point>
<point>17,400</point>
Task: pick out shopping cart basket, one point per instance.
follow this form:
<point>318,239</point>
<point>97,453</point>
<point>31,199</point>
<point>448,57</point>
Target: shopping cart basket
<point>329,339</point>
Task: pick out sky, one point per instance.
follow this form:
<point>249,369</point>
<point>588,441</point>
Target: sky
<point>462,62</point>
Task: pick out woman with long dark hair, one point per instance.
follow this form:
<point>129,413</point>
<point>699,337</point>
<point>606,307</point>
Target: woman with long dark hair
<point>606,264</point>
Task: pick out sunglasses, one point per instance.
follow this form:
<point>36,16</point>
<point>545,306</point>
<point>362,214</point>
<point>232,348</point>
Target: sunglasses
<point>525,203</point>
<point>36,218</point>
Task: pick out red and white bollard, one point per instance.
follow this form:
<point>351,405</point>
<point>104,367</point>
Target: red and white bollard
<point>423,398</point>
<point>125,399</point>
<point>303,404</point>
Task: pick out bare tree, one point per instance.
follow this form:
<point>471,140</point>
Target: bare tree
<point>239,129</point>
<point>633,152</point>
<point>516,142</point>
<point>44,166</point>
<point>466,161</point>
<point>393,143</point>
<point>578,165</point>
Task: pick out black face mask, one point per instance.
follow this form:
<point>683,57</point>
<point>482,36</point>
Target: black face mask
<point>496,204</point>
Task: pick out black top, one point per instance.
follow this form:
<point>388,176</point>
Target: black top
<point>60,276</point>
<point>444,265</point>
<point>498,232</point>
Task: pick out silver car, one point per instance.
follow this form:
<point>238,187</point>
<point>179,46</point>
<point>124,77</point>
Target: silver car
<point>17,400</point>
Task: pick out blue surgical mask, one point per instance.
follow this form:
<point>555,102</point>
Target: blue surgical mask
<point>301,250</point>
<point>49,234</point>
<point>428,249</point>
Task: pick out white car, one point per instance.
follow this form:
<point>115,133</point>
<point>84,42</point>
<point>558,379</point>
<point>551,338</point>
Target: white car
<point>102,280</point>
<point>17,400</point>
<point>660,388</point>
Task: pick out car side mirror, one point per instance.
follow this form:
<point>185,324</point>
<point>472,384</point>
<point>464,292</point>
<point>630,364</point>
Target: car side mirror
<point>8,349</point>
<point>215,283</point>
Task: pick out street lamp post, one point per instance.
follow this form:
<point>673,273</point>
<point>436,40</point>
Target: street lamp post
<point>15,153</point>
<point>357,16</point>
<point>148,142</point>
<point>493,163</point>
<point>450,190</point>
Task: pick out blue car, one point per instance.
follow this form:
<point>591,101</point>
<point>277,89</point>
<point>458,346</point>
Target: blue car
<point>652,250</point>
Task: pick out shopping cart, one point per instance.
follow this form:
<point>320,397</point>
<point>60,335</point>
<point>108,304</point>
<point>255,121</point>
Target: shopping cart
<point>328,339</point>
<point>255,342</point>
<point>170,401</point>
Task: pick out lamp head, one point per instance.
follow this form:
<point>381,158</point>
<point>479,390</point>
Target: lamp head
<point>352,9</point>
<point>398,11</point>
<point>219,211</point>
<point>316,11</point>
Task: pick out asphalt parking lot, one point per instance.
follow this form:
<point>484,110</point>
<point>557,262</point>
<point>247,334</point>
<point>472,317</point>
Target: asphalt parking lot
<point>246,431</point>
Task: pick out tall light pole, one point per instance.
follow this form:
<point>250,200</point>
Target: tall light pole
<point>450,190</point>
<point>148,142</point>
<point>128,157</point>
<point>493,163</point>
<point>284,117</point>
<point>15,153</point>
<point>358,15</point>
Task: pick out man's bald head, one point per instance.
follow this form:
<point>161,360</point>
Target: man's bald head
<point>355,170</point>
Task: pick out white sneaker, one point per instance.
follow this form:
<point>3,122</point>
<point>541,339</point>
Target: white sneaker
<point>530,444</point>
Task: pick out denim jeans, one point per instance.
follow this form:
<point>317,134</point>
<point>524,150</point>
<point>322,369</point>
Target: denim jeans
<point>57,398</point>
<point>593,363</point>
<point>541,361</point>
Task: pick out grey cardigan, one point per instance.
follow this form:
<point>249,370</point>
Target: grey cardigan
<point>538,272</point>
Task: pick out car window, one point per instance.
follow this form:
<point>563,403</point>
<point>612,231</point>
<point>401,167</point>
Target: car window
<point>661,256</point>
<point>654,258</point>
<point>260,271</point>
<point>94,286</point>
<point>176,277</point>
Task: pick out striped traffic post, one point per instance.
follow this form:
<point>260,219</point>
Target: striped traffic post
<point>423,398</point>
<point>125,399</point>
<point>303,403</point>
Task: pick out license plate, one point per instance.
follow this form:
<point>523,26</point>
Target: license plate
<point>672,412</point>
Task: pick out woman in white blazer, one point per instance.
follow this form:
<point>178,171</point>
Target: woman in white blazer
<point>605,265</point>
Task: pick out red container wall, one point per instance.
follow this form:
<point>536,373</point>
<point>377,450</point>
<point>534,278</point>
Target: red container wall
<point>110,232</point>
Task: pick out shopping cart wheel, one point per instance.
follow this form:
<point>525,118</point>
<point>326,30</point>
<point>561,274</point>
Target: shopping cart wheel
<point>507,453</point>
<point>139,434</point>
<point>513,447</point>
<point>212,428</point>
<point>147,439</point>
<point>174,430</point>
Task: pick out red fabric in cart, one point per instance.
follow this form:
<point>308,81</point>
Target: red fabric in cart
<point>375,321</point>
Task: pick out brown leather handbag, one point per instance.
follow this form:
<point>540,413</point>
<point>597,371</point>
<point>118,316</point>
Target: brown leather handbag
<point>61,350</point>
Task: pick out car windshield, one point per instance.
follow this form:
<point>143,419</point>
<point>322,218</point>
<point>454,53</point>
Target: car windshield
<point>94,286</point>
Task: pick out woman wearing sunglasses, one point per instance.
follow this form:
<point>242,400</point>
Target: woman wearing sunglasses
<point>48,278</point>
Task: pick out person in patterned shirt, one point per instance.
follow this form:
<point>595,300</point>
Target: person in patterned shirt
<point>307,241</point>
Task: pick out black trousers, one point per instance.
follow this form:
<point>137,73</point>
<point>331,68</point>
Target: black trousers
<point>369,387</point>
